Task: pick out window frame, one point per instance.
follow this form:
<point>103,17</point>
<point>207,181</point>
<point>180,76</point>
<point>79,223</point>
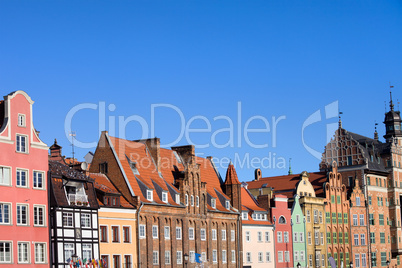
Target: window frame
<point>36,215</point>
<point>18,178</point>
<point>34,178</point>
<point>18,143</point>
<point>26,259</point>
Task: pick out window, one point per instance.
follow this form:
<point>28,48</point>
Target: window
<point>116,261</point>
<point>354,219</point>
<point>280,256</point>
<point>38,180</point>
<point>301,237</point>
<point>361,217</point>
<point>267,237</point>
<point>369,200</point>
<point>328,238</point>
<point>340,237</point>
<point>23,252</point>
<point>86,251</point>
<point>320,216</point>
<point>40,252</point>
<point>150,195</point>
<point>5,252</point>
<point>186,199</point>
<point>338,198</point>
<point>295,237</point>
<point>333,199</point>
<point>214,256</point>
<point>317,259</point>
<point>233,235</point>
<point>356,239</point>
<point>223,234</point>
<point>224,257</point>
<point>178,198</point>
<point>214,235</point>
<point>21,120</point>
<point>357,260</point>
<point>103,168</point>
<point>5,176</point>
<point>248,257</point>
<point>339,218</point>
<point>154,231</point>
<point>383,258</point>
<point>333,217</point>
<point>315,216</point>
<point>21,144</point>
<point>374,259</point>
<point>127,261</point>
<point>167,232</point>
<point>308,216</point>
<point>268,256</point>
<point>197,201</point>
<point>309,238</point>
<point>22,178</point>
<point>279,235</point>
<point>381,219</point>
<point>192,200</point>
<point>191,233</point>
<point>155,257</point>
<point>282,220</point>
<point>142,231</point>
<point>364,261</point>
<point>316,237</point>
<point>334,238</point>
<point>126,234</point>
<point>213,203</point>
<point>363,239</point>
<point>286,237</point>
<point>244,216</point>
<point>287,257</point>
<point>85,220</point>
<point>322,238</point>
<point>259,236</point>
<point>372,238</point>
<point>67,219</point>
<point>296,256</point>
<point>178,233</point>
<point>382,238</point>
<point>346,238</point>
<point>103,233</point>
<point>167,257</point>
<point>327,217</point>
<point>164,197</point>
<point>179,257</point>
<point>260,257</point>
<point>371,219</point>
<point>115,234</point>
<point>297,218</point>
<point>203,235</point>
<point>68,250</point>
<point>302,255</point>
<point>227,204</point>
<point>22,217</point>
<point>358,201</point>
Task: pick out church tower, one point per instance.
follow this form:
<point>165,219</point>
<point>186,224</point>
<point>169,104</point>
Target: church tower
<point>392,122</point>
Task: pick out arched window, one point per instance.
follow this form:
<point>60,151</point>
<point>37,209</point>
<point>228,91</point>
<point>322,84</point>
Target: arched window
<point>282,220</point>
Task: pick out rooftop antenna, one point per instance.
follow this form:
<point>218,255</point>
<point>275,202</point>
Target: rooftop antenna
<point>72,135</point>
<point>398,103</point>
<point>391,104</point>
<point>340,121</point>
<point>375,130</point>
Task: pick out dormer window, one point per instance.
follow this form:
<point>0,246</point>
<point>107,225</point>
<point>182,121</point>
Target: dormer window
<point>21,120</point>
<point>227,203</point>
<point>244,216</point>
<point>150,195</point>
<point>178,198</point>
<point>133,166</point>
<point>164,197</point>
<point>213,202</point>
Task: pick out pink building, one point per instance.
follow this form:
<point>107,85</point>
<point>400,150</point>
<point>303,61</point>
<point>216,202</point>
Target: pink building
<point>24,230</point>
<point>281,216</point>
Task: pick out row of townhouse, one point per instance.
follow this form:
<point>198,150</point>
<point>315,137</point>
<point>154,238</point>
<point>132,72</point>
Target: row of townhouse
<point>135,204</point>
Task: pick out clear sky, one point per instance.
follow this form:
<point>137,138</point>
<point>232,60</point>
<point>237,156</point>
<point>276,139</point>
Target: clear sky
<point>118,64</point>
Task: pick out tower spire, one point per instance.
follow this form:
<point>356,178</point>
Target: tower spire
<point>290,167</point>
<point>375,131</point>
<point>340,120</point>
<point>391,104</point>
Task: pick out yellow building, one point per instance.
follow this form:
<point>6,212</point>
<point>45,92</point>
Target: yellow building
<point>117,225</point>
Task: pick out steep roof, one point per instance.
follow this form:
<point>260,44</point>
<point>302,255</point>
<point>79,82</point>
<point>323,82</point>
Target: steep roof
<point>145,175</point>
<point>231,175</point>
<point>286,185</point>
<point>250,204</point>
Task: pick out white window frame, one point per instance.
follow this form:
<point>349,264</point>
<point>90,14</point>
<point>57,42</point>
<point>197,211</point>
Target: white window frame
<point>224,256</point>
<point>19,215</point>
<point>214,236</point>
<point>86,251</point>
<point>9,214</point>
<point>232,235</point>
<point>179,257</point>
<point>150,195</point>
<point>267,256</point>
<point>3,174</point>
<point>286,237</point>
<point>34,179</point>
<point>267,237</point>
<point>213,203</point>
<point>85,220</point>
<point>279,237</point>
<point>197,201</point>
<point>178,233</point>
<point>42,257</point>
<point>280,256</point>
<point>191,256</point>
<point>233,256</point>
<point>155,231</point>
<point>214,256</point>
<point>287,256</point>
<point>186,199</point>
<point>3,256</point>
<point>18,177</point>
<point>21,120</point>
<point>167,257</point>
<point>142,233</point>
<point>361,219</point>
<point>227,204</point>
<point>164,197</point>
<point>68,250</point>
<point>23,251</point>
<point>192,200</point>
<point>260,257</point>
<point>178,198</point>
<point>223,234</point>
<point>191,233</point>
<point>203,234</point>
<point>167,232</point>
<point>36,209</point>
<point>155,257</point>
<point>244,216</point>
<point>18,143</point>
<point>248,257</point>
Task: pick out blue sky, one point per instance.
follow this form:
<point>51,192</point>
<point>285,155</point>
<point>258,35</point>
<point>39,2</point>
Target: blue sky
<point>282,59</point>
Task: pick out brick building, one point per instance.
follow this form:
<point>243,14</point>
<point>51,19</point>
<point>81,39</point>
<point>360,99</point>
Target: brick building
<point>24,232</point>
<point>182,207</point>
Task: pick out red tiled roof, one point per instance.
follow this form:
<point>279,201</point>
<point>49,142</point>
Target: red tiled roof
<point>231,175</point>
<point>286,184</point>
<point>249,203</point>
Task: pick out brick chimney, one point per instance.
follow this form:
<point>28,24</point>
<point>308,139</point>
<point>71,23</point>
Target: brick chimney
<point>187,152</point>
<point>257,174</point>
<point>55,152</point>
<point>153,146</point>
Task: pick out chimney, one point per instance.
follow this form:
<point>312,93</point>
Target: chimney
<point>257,174</point>
<point>55,152</point>
<point>153,146</point>
<point>187,152</point>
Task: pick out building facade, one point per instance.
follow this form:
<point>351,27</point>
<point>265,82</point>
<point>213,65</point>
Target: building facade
<point>298,233</point>
<point>182,207</point>
<point>24,232</point>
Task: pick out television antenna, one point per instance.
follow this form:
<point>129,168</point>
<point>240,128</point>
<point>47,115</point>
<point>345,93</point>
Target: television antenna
<point>72,135</point>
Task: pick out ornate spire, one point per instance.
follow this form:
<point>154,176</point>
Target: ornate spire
<point>391,104</point>
<point>340,121</point>
<point>375,131</point>
<point>290,167</point>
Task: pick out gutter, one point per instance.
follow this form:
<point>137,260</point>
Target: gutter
<point>239,243</point>
<point>138,234</point>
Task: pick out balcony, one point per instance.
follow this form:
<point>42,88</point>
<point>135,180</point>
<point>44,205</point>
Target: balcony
<point>78,200</point>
